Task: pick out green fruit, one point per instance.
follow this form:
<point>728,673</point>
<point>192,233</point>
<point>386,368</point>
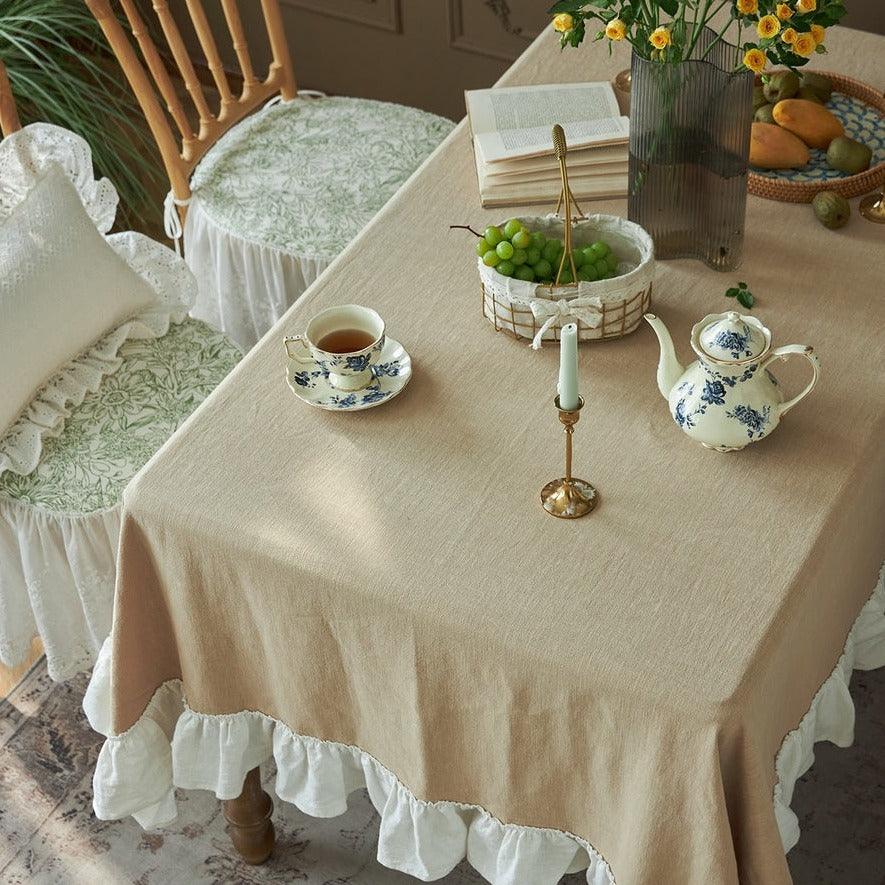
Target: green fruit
<point>519,257</point>
<point>759,98</point>
<point>525,273</point>
<point>538,240</point>
<point>504,250</point>
<point>493,236</point>
<point>817,83</point>
<point>831,209</point>
<point>533,256</point>
<point>588,274</point>
<point>505,268</point>
<point>514,226</point>
<point>566,277</point>
<point>601,267</point>
<point>781,85</point>
<point>491,258</point>
<point>482,247</point>
<point>764,114</point>
<point>809,95</point>
<point>522,239</point>
<point>848,156</point>
<point>551,250</point>
<point>577,257</point>
<point>543,269</point>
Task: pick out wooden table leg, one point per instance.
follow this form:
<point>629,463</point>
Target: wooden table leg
<point>249,820</point>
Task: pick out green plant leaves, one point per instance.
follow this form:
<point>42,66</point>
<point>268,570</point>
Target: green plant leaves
<point>743,295</point>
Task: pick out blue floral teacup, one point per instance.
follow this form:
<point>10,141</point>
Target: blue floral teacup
<point>343,343</point>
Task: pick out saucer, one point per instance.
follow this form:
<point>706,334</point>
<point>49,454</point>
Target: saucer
<point>391,374</point>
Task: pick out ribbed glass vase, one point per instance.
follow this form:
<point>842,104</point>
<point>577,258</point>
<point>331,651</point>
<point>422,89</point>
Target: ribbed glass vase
<point>689,147</point>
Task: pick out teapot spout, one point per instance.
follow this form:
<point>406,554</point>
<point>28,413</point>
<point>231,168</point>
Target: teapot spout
<point>669,368</point>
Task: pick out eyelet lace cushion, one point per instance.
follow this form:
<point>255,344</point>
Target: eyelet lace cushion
<point>24,156</point>
<point>59,525</point>
<point>174,745</point>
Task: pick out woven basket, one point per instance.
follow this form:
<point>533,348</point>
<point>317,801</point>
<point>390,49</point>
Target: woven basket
<point>851,185</point>
<point>603,309</point>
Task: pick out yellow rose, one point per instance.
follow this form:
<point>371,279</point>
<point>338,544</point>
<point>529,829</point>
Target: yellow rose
<point>818,31</point>
<point>747,7</point>
<point>768,26</point>
<point>754,59</point>
<point>806,5</point>
<point>789,35</point>
<point>784,13</point>
<point>616,29</point>
<point>804,45</point>
<point>660,37</point>
<point>563,22</point>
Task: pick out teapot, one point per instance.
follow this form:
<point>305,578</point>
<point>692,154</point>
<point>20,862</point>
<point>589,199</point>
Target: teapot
<point>727,398</point>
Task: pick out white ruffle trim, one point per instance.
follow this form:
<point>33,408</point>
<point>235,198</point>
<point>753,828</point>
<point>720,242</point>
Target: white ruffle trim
<point>265,280</point>
<point>23,157</point>
<point>58,582</point>
<point>174,745</point>
<point>831,715</point>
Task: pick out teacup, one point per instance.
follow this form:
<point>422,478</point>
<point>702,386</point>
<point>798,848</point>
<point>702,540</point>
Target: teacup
<point>343,341</point>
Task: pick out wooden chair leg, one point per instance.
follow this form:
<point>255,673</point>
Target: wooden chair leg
<point>249,820</point>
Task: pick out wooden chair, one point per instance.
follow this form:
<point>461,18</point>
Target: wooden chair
<point>58,526</point>
<point>180,159</point>
<point>9,121</point>
<point>251,267</point>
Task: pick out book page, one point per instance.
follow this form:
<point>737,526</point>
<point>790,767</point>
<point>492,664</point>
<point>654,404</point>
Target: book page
<point>516,122</point>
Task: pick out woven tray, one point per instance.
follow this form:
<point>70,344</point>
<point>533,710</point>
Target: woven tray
<point>800,185</point>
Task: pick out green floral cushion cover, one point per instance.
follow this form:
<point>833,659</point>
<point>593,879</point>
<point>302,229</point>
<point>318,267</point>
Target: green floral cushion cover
<point>306,176</point>
<point>115,430</point>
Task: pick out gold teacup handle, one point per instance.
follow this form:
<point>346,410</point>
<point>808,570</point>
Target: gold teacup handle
<point>299,339</point>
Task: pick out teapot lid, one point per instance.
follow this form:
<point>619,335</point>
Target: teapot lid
<point>730,337</point>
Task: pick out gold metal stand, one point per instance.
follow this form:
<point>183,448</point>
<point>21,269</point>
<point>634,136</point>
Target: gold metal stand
<point>565,202</point>
<point>568,497</point>
<point>872,206</point>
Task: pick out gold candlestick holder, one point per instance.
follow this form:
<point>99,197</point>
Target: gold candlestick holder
<point>568,497</point>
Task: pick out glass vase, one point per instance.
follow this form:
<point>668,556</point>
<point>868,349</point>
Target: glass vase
<point>689,150</point>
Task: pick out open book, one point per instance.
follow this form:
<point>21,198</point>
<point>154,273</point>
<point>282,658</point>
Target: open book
<point>514,152</point>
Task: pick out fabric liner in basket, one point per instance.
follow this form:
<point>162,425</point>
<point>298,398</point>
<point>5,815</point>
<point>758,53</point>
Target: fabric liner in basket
<point>602,309</point>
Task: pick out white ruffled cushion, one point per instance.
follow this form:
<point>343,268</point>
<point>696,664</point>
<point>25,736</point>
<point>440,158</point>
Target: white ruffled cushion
<point>25,157</point>
<point>284,191</point>
<point>427,840</point>
<point>59,525</point>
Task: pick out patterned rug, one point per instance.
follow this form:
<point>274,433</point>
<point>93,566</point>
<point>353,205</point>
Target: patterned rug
<point>49,836</point>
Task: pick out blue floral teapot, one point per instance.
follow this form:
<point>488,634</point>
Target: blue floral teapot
<point>727,398</point>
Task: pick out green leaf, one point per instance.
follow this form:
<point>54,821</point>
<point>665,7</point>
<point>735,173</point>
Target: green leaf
<point>732,293</point>
<point>742,285</point>
<point>563,6</point>
<point>669,6</point>
<point>746,298</point>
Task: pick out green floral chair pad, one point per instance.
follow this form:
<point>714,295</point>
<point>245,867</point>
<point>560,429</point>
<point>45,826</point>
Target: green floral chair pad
<point>115,430</point>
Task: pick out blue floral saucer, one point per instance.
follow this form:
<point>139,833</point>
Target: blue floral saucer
<point>391,374</point>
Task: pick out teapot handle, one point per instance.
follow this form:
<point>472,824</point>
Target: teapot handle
<point>809,354</point>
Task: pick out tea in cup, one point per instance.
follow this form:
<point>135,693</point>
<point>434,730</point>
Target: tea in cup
<point>344,341</point>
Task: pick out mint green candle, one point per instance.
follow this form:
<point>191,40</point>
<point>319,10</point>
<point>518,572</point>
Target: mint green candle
<point>568,368</point>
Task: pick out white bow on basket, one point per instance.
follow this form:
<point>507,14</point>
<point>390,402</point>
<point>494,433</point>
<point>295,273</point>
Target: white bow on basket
<point>587,309</point>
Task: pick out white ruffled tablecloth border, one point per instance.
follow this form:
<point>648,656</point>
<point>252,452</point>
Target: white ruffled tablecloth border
<point>174,745</point>
<point>24,156</point>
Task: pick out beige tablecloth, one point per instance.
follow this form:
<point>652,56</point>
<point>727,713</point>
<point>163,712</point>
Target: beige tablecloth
<point>387,579</point>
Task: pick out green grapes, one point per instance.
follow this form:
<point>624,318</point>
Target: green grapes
<point>504,250</point>
<point>514,226</point>
<point>493,236</point>
<point>515,251</point>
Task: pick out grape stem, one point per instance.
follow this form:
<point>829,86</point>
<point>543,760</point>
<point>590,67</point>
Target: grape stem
<point>465,227</point>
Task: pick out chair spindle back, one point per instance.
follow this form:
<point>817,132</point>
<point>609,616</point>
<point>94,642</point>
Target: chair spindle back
<point>154,88</point>
<point>9,121</point>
